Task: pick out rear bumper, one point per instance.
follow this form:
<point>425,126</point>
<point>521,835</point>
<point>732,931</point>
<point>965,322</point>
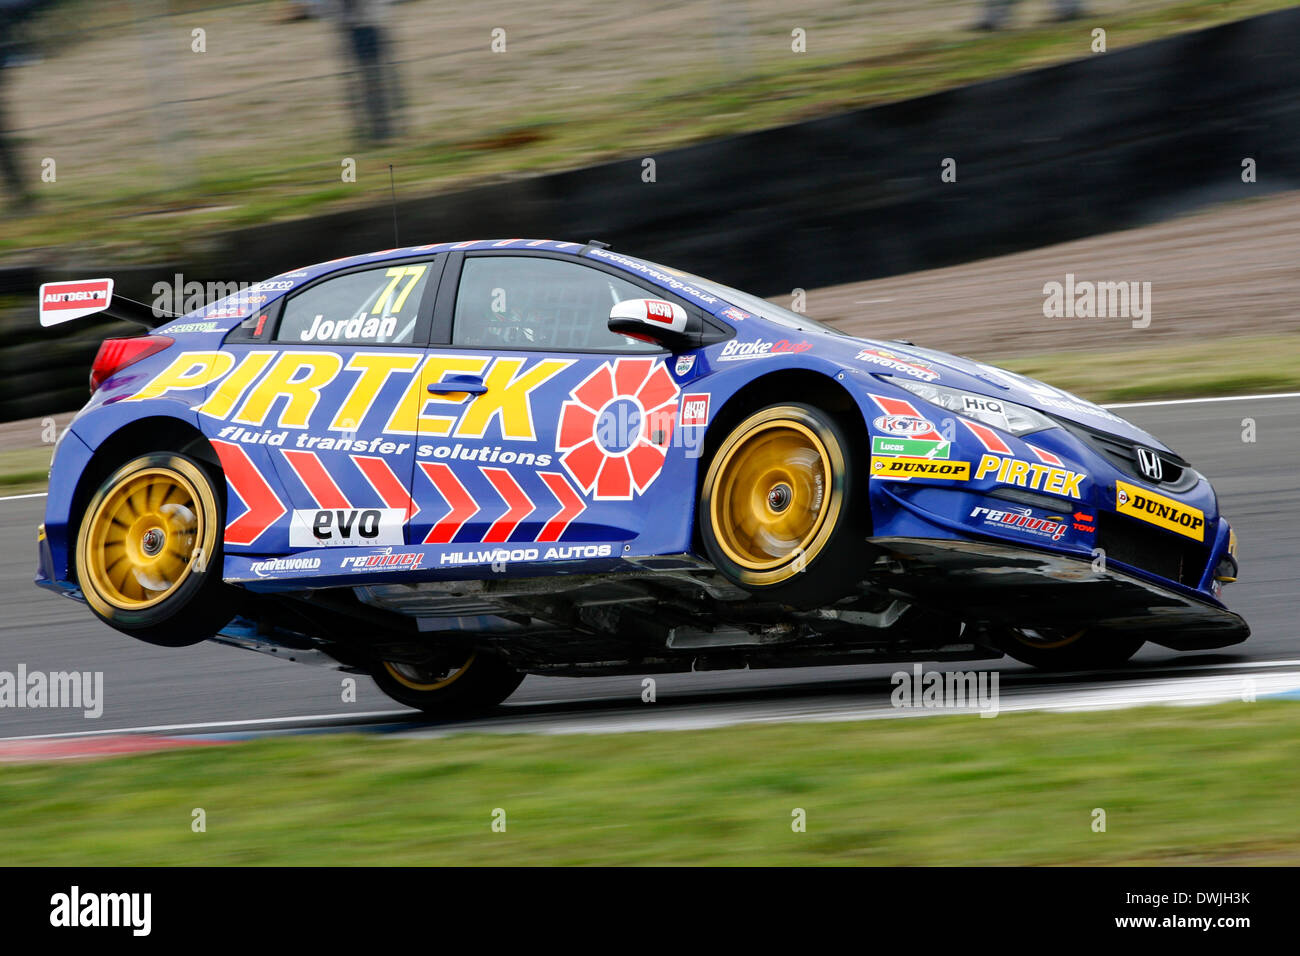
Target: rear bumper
<point>70,460</point>
<point>44,562</point>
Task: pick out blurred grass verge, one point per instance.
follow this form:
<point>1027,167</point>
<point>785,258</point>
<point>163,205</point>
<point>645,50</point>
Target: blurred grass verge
<point>24,470</point>
<point>1179,785</point>
<point>1234,365</point>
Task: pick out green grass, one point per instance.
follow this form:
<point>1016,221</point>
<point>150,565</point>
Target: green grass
<point>24,470</point>
<point>133,218</point>
<point>1178,785</point>
<point>1238,365</point>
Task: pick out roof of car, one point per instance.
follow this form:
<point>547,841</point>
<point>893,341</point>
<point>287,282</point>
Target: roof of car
<point>678,282</point>
<point>246,301</point>
<point>550,245</point>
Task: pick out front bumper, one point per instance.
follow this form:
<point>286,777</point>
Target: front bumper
<point>1028,588</point>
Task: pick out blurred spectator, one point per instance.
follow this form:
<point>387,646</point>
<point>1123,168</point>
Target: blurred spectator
<point>373,84</point>
<point>301,10</point>
<point>997,13</point>
<point>11,12</point>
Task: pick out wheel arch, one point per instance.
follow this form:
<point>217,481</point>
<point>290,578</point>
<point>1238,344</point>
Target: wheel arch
<point>793,384</point>
<point>139,436</point>
<point>796,384</point>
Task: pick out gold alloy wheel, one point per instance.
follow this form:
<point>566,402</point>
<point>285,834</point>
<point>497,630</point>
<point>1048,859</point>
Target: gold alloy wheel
<point>774,497</point>
<point>143,539</point>
<point>425,679</point>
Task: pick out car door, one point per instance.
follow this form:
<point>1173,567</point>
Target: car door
<point>310,400</point>
<point>545,435</point>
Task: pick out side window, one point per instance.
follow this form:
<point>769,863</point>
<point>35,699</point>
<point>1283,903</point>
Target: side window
<point>374,307</point>
<point>522,302</point>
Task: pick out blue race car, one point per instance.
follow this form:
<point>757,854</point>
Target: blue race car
<point>450,465</point>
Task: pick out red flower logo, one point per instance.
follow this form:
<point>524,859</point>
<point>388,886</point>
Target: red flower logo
<point>616,428</point>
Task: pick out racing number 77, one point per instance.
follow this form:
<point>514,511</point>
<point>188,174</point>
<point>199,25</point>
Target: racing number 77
<point>412,274</point>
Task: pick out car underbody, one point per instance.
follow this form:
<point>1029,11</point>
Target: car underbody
<point>678,614</point>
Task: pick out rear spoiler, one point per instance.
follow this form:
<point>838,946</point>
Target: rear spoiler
<point>65,301</point>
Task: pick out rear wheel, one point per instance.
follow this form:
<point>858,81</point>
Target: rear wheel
<point>779,513</point>
<point>1078,649</point>
<point>148,553</point>
<point>456,685</point>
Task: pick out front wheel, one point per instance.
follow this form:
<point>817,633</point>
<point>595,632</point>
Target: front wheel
<point>779,510</point>
<point>456,685</point>
<point>1061,650</point>
<point>148,554</point>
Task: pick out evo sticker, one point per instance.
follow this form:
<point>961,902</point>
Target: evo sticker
<point>346,527</point>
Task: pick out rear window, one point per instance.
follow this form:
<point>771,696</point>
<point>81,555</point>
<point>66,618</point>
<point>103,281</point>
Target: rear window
<point>375,307</point>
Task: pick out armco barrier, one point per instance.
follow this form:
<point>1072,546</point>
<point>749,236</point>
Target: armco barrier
<point>1102,143</point>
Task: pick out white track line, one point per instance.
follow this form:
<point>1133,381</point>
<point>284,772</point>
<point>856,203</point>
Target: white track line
<point>1076,690</point>
<point>1186,692</point>
<point>1192,401</point>
<point>34,494</point>
<point>211,725</point>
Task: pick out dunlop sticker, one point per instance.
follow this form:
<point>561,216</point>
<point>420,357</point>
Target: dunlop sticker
<point>892,467</point>
<point>1160,511</point>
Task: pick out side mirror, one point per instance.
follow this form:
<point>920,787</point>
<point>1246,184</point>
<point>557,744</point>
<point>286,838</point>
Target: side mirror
<point>652,320</point>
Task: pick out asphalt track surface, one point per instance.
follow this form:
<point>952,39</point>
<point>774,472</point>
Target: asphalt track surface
<point>211,689</point>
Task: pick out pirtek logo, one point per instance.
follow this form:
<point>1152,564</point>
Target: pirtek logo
<point>885,467</point>
<point>248,388</point>
<point>1025,474</point>
<point>1161,511</point>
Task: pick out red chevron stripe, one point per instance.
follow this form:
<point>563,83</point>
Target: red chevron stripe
<point>391,490</point>
<point>988,437</point>
<point>1044,455</point>
<point>463,507</point>
<point>306,465</point>
<point>263,507</point>
<point>519,504</point>
<point>570,505</point>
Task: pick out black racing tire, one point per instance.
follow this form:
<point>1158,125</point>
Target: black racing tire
<point>148,555</point>
<point>461,685</point>
<point>1070,651</point>
<point>781,512</point>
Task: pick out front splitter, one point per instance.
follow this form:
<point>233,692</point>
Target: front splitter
<point>1019,587</point>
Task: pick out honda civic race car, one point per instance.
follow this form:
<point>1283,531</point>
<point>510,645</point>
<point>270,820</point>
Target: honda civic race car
<point>451,465</point>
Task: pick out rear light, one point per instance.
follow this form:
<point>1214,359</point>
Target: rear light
<point>116,354</point>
